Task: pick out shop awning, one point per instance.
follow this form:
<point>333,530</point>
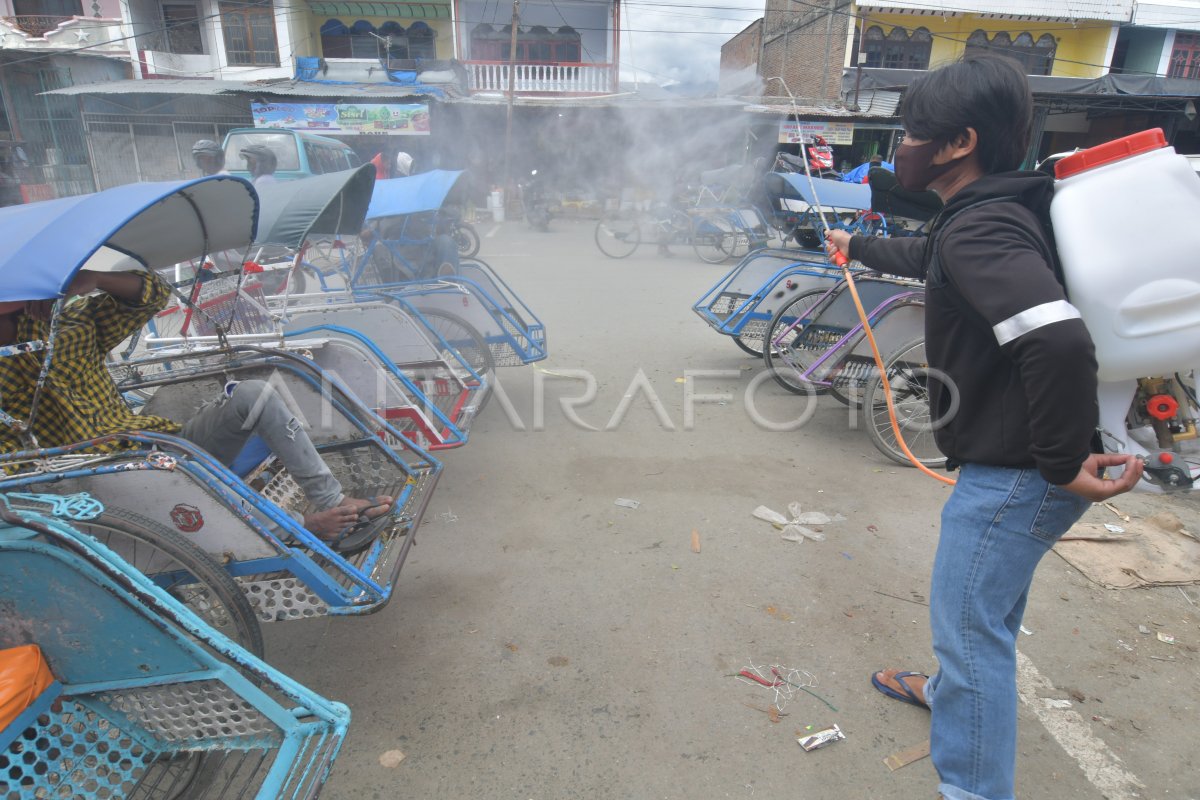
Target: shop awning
<point>380,8</point>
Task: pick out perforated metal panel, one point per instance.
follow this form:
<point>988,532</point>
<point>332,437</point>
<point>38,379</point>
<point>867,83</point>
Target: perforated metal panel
<point>283,599</point>
<point>190,713</point>
<point>71,752</point>
<point>724,305</point>
<point>755,329</point>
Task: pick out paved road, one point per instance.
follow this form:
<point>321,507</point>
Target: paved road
<point>546,643</point>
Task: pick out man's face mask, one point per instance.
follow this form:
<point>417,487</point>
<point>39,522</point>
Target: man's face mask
<point>915,169</point>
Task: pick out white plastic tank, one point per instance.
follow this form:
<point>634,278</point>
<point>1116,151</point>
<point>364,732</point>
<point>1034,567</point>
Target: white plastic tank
<point>1127,223</point>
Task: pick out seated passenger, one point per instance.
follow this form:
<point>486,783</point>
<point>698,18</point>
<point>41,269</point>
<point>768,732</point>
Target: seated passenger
<point>80,401</point>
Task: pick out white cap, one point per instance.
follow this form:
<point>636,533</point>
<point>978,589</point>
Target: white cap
<point>403,163</point>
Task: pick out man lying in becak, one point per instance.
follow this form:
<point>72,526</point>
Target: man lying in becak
<point>80,401</point>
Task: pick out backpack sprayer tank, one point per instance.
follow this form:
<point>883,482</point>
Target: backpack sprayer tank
<point>1141,305</point>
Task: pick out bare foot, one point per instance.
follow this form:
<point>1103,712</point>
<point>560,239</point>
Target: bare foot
<point>329,523</point>
<point>908,687</point>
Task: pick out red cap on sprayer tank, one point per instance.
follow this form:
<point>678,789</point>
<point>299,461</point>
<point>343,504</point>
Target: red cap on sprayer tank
<point>1109,152</point>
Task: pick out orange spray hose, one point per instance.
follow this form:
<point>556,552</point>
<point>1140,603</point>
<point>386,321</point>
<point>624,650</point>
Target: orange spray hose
<point>841,261</point>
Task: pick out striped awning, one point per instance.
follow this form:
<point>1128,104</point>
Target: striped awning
<point>380,8</point>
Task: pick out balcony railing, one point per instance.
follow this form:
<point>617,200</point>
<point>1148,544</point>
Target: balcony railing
<point>492,76</point>
<point>37,26</point>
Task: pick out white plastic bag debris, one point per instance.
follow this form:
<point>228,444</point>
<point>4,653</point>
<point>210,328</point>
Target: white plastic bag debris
<point>767,515</point>
<point>812,518</point>
<point>795,533</point>
<point>625,502</point>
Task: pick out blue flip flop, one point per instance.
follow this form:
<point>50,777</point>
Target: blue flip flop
<point>906,695</point>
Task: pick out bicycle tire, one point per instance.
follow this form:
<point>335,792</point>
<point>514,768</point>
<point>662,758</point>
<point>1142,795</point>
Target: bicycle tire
<point>466,239</point>
<point>151,548</point>
<point>618,238</point>
<point>713,238</point>
<point>467,341</point>
<point>783,373</point>
<point>910,394</point>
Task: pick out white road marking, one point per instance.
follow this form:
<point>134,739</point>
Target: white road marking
<point>492,232</point>
<point>1100,764</point>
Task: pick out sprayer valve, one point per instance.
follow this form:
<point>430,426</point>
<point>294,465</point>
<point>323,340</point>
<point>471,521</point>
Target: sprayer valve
<point>1162,407</point>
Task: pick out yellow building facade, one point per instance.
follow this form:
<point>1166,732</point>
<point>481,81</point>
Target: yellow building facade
<point>1081,49</point>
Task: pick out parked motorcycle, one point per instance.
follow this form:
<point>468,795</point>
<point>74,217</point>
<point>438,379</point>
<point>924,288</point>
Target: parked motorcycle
<point>534,204</point>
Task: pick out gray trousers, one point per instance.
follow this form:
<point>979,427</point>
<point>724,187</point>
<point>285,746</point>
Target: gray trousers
<point>223,427</point>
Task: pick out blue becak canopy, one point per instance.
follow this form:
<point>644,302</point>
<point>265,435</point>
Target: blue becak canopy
<point>423,192</point>
<point>832,194</point>
<point>156,224</point>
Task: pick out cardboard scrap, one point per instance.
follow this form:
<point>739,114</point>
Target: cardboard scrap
<point>1145,555</point>
<point>695,541</point>
<point>902,758</point>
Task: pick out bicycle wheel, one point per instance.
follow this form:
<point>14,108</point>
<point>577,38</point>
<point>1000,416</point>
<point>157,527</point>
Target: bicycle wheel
<point>783,345</point>
<point>750,340</point>
<point>176,565</point>
<point>462,337</point>
<point>466,239</point>
<point>908,373</point>
<point>714,237</point>
<point>618,237</point>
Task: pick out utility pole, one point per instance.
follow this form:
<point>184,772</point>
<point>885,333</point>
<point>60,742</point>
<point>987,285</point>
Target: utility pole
<point>862,57</point>
<point>828,48</point>
<point>512,77</point>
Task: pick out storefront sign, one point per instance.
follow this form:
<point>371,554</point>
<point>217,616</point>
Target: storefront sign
<point>790,131</point>
<point>346,119</point>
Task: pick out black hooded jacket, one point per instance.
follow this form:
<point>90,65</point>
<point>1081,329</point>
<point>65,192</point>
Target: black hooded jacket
<point>998,324</point>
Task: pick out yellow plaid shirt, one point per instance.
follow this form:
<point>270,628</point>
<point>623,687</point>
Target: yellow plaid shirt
<point>80,400</point>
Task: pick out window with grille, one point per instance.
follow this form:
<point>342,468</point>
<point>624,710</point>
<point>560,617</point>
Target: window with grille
<point>899,49</point>
<point>537,45</point>
<point>182,27</point>
<point>1035,57</point>
<point>1185,56</point>
<point>48,8</point>
<point>249,30</point>
<point>390,40</point>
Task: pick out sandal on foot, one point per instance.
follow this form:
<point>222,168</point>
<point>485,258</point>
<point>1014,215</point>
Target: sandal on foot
<point>362,534</point>
<point>904,694</point>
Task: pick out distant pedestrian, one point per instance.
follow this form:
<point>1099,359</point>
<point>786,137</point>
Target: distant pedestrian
<point>209,157</point>
<point>404,164</point>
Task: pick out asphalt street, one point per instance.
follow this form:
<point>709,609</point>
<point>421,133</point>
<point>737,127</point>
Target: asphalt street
<point>545,642</point>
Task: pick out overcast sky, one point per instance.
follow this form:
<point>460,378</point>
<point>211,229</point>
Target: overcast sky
<point>680,40</point>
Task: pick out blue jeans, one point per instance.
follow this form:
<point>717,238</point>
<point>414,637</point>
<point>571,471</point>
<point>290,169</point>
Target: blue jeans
<point>996,526</point>
<point>224,426</point>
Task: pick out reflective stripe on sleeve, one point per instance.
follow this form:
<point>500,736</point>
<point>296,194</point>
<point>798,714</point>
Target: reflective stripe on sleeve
<point>1031,319</point>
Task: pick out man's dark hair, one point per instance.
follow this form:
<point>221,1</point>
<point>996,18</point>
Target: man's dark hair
<point>876,159</point>
<point>988,93</point>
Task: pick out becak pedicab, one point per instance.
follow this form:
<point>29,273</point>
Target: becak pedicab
<point>115,689</point>
<point>470,306</point>
<point>320,521</point>
<point>421,386</point>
